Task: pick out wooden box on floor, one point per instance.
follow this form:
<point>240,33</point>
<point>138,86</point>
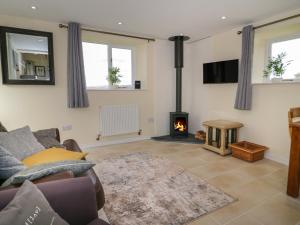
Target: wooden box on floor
<point>248,151</point>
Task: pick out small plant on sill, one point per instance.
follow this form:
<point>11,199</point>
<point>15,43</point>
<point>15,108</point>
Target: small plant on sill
<point>113,77</point>
<point>276,66</point>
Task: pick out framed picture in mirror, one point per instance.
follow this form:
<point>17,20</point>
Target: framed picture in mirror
<point>40,71</point>
<point>26,56</point>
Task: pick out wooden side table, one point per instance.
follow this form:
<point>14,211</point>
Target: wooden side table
<point>294,165</point>
<point>226,132</point>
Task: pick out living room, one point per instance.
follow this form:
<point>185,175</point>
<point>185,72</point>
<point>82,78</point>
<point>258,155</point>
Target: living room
<point>124,127</point>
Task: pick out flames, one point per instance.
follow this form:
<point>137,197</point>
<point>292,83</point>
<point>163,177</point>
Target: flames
<point>179,126</point>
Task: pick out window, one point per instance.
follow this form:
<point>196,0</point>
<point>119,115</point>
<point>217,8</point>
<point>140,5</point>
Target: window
<point>121,58</point>
<point>98,58</point>
<point>95,64</point>
<point>291,47</point>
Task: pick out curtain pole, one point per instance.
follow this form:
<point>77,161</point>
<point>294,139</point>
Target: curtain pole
<point>273,22</point>
<point>110,33</point>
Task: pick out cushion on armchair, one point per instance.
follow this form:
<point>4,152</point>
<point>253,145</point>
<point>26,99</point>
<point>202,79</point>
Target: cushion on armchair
<point>52,155</point>
<point>78,167</point>
<point>20,143</point>
<point>71,145</point>
<point>29,206</point>
<point>9,165</point>
<point>73,199</point>
<point>48,138</point>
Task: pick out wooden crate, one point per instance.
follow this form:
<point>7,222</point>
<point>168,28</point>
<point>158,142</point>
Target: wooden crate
<point>248,151</point>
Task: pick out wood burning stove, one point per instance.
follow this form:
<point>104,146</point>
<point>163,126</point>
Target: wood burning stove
<point>179,124</point>
<point>179,120</point>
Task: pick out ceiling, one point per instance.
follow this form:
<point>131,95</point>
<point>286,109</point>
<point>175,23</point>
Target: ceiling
<point>153,18</point>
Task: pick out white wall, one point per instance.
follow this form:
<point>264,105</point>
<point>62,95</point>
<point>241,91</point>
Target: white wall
<point>266,123</point>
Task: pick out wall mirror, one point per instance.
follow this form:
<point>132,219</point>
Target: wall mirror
<point>26,56</point>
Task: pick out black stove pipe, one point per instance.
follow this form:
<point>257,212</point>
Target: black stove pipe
<point>178,43</point>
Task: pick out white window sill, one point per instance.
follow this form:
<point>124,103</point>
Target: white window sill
<point>114,89</point>
<point>287,81</point>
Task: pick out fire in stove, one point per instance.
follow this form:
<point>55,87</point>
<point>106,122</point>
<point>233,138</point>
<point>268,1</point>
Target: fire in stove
<point>180,126</point>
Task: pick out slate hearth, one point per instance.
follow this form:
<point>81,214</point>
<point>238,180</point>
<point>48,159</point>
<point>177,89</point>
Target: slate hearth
<point>180,139</point>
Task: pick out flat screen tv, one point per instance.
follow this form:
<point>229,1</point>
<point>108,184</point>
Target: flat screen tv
<point>221,72</point>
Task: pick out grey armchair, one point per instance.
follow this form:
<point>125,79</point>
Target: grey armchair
<point>74,199</point>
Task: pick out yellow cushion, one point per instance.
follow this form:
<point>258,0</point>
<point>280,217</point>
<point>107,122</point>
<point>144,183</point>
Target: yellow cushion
<point>52,155</point>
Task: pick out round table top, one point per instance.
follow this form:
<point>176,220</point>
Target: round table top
<point>223,124</point>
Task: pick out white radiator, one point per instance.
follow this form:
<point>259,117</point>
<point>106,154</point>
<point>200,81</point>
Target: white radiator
<point>119,119</point>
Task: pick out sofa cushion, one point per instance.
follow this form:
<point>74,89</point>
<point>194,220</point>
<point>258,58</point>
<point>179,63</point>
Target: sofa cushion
<point>52,155</point>
<point>2,128</point>
<point>76,166</point>
<point>20,143</point>
<point>9,165</point>
<point>48,138</point>
<point>29,206</point>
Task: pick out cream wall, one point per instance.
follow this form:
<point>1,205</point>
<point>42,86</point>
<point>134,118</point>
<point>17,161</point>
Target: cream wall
<point>46,106</point>
<point>165,84</point>
<point>266,123</point>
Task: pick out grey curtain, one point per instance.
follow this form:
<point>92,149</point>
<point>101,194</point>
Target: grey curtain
<point>77,94</point>
<point>243,99</point>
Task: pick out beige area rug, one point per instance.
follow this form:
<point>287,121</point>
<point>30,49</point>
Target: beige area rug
<point>142,189</point>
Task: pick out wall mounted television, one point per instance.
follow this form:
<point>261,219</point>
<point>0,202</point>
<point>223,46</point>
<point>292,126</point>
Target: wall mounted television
<point>221,72</point>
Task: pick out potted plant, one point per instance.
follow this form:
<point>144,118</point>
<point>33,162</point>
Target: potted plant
<point>276,67</point>
<point>113,77</point>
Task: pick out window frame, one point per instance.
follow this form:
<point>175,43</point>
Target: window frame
<point>110,60</point>
<point>276,40</point>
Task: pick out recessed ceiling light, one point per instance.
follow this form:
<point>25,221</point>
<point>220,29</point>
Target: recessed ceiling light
<point>120,23</point>
<point>34,7</point>
<point>223,17</point>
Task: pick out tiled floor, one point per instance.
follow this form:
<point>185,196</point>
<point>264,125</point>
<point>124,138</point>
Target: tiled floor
<point>259,186</point>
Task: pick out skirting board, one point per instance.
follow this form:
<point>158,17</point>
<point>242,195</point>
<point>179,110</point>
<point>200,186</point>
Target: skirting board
<point>115,142</point>
<point>270,156</point>
<point>281,160</point>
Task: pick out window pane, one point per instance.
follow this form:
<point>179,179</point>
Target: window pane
<point>95,64</point>
<point>122,58</point>
<point>292,50</point>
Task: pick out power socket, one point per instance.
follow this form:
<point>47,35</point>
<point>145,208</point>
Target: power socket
<point>67,127</point>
